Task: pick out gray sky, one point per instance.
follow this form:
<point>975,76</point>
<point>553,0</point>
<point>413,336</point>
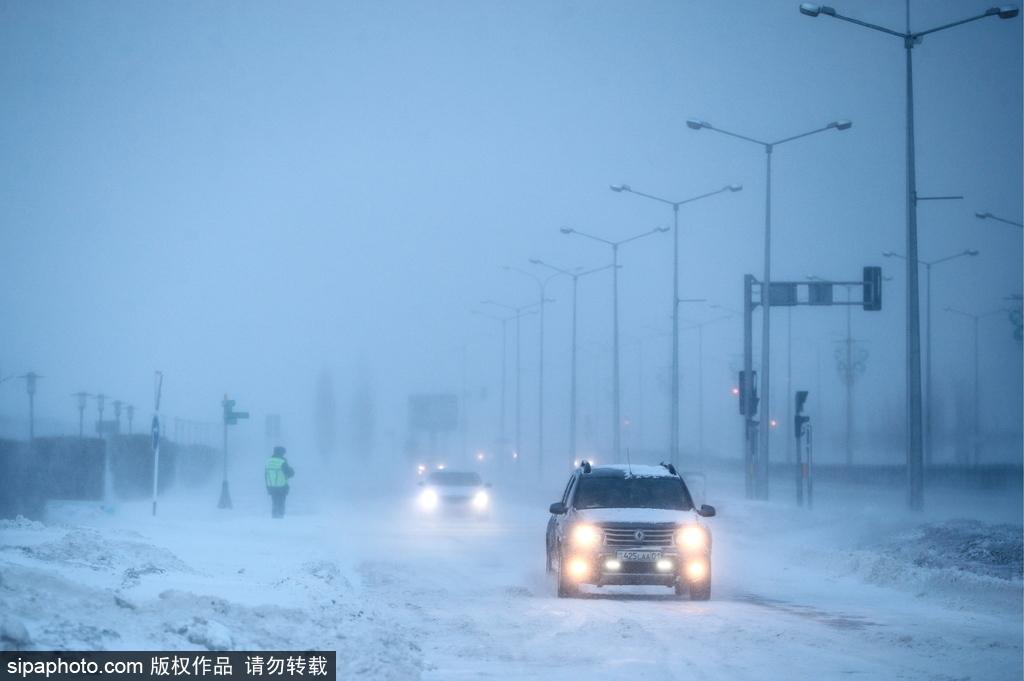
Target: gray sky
<point>244,193</point>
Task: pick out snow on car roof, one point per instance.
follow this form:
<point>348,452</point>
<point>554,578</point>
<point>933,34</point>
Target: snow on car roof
<point>634,471</point>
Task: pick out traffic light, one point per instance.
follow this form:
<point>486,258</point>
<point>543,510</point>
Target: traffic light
<point>872,288</point>
<point>753,393</point>
<point>798,418</point>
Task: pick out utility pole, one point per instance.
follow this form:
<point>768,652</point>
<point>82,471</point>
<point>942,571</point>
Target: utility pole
<point>81,397</point>
<point>155,430</point>
<point>518,312</point>
<point>101,401</point>
<point>542,284</point>
<point>575,274</point>
<point>130,411</point>
<point>766,283</point>
<point>30,388</point>
<point>231,418</point>
<point>616,378</point>
<point>674,401</point>
<point>915,459</point>
<point>976,420</point>
<point>117,414</point>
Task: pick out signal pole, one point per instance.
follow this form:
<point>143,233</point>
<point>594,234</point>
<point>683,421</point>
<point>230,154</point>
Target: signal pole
<point>230,418</point>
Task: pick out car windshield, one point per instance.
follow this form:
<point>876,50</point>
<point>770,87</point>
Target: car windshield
<point>667,493</point>
<point>455,479</point>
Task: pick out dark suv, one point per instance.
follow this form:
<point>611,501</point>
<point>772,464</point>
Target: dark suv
<point>622,524</point>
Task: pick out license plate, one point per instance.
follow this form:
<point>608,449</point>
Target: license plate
<point>644,556</point>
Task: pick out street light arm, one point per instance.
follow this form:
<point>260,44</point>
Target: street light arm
<point>641,236</point>
<point>727,188</point>
<point>584,273</point>
<point>865,24</point>
<point>962,254</point>
<point>541,263</point>
<point>986,214</point>
<point>649,196</point>
<point>734,134</point>
<point>531,275</point>
<point>920,34</point>
<point>485,314</point>
<point>803,134</point>
<point>589,236</point>
<point>961,313</point>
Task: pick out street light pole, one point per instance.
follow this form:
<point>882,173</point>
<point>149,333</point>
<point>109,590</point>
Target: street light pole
<point>617,432</point>
<point>519,311</point>
<point>700,378</point>
<point>674,400</point>
<point>929,393</point>
<point>542,285</point>
<point>575,274</point>
<point>30,388</point>
<point>915,466</point>
<point>502,440</point>
<point>975,437</point>
<point>81,398</point>
<point>764,450</point>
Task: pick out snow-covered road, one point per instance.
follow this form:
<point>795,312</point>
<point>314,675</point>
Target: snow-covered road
<point>833,594</point>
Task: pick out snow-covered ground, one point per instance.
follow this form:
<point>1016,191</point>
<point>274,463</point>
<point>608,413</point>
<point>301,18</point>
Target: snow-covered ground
<point>858,588</point>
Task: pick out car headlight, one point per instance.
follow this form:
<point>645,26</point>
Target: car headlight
<point>480,500</point>
<point>692,537</point>
<point>585,536</point>
<point>428,500</point>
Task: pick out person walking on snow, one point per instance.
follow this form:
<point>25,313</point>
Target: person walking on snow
<point>278,472</point>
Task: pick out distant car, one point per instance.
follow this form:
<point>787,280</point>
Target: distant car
<point>455,493</point>
<point>622,524</point>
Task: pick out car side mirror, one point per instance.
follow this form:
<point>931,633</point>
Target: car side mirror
<point>487,485</point>
<point>557,508</point>
<point>706,511</point>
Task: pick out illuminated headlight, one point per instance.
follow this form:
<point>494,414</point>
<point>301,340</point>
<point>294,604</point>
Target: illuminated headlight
<point>696,570</point>
<point>428,500</point>
<point>612,564</point>
<point>480,500</point>
<point>578,568</point>
<point>663,565</point>
<point>692,538</point>
<point>585,536</point>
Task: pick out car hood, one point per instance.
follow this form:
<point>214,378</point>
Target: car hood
<point>634,515</point>
<point>457,490</point>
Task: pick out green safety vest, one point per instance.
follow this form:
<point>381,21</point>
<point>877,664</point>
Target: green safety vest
<point>275,472</point>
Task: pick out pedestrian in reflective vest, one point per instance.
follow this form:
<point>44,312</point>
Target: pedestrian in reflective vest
<point>277,474</point>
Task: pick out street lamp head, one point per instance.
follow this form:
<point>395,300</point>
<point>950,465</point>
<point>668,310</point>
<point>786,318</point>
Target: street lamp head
<point>888,254</point>
<point>566,230</point>
<point>661,229</point>
<point>812,10</point>
<point>841,125</point>
<point>620,187</point>
<point>1003,12</point>
<point>982,216</point>
<point>694,124</point>
<point>536,261</point>
<point>971,252</point>
<point>734,187</point>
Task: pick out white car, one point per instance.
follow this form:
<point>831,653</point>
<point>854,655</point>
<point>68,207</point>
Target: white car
<point>451,492</point>
<point>623,524</point>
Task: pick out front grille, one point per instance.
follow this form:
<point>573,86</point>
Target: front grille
<point>627,536</point>
<point>455,500</point>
